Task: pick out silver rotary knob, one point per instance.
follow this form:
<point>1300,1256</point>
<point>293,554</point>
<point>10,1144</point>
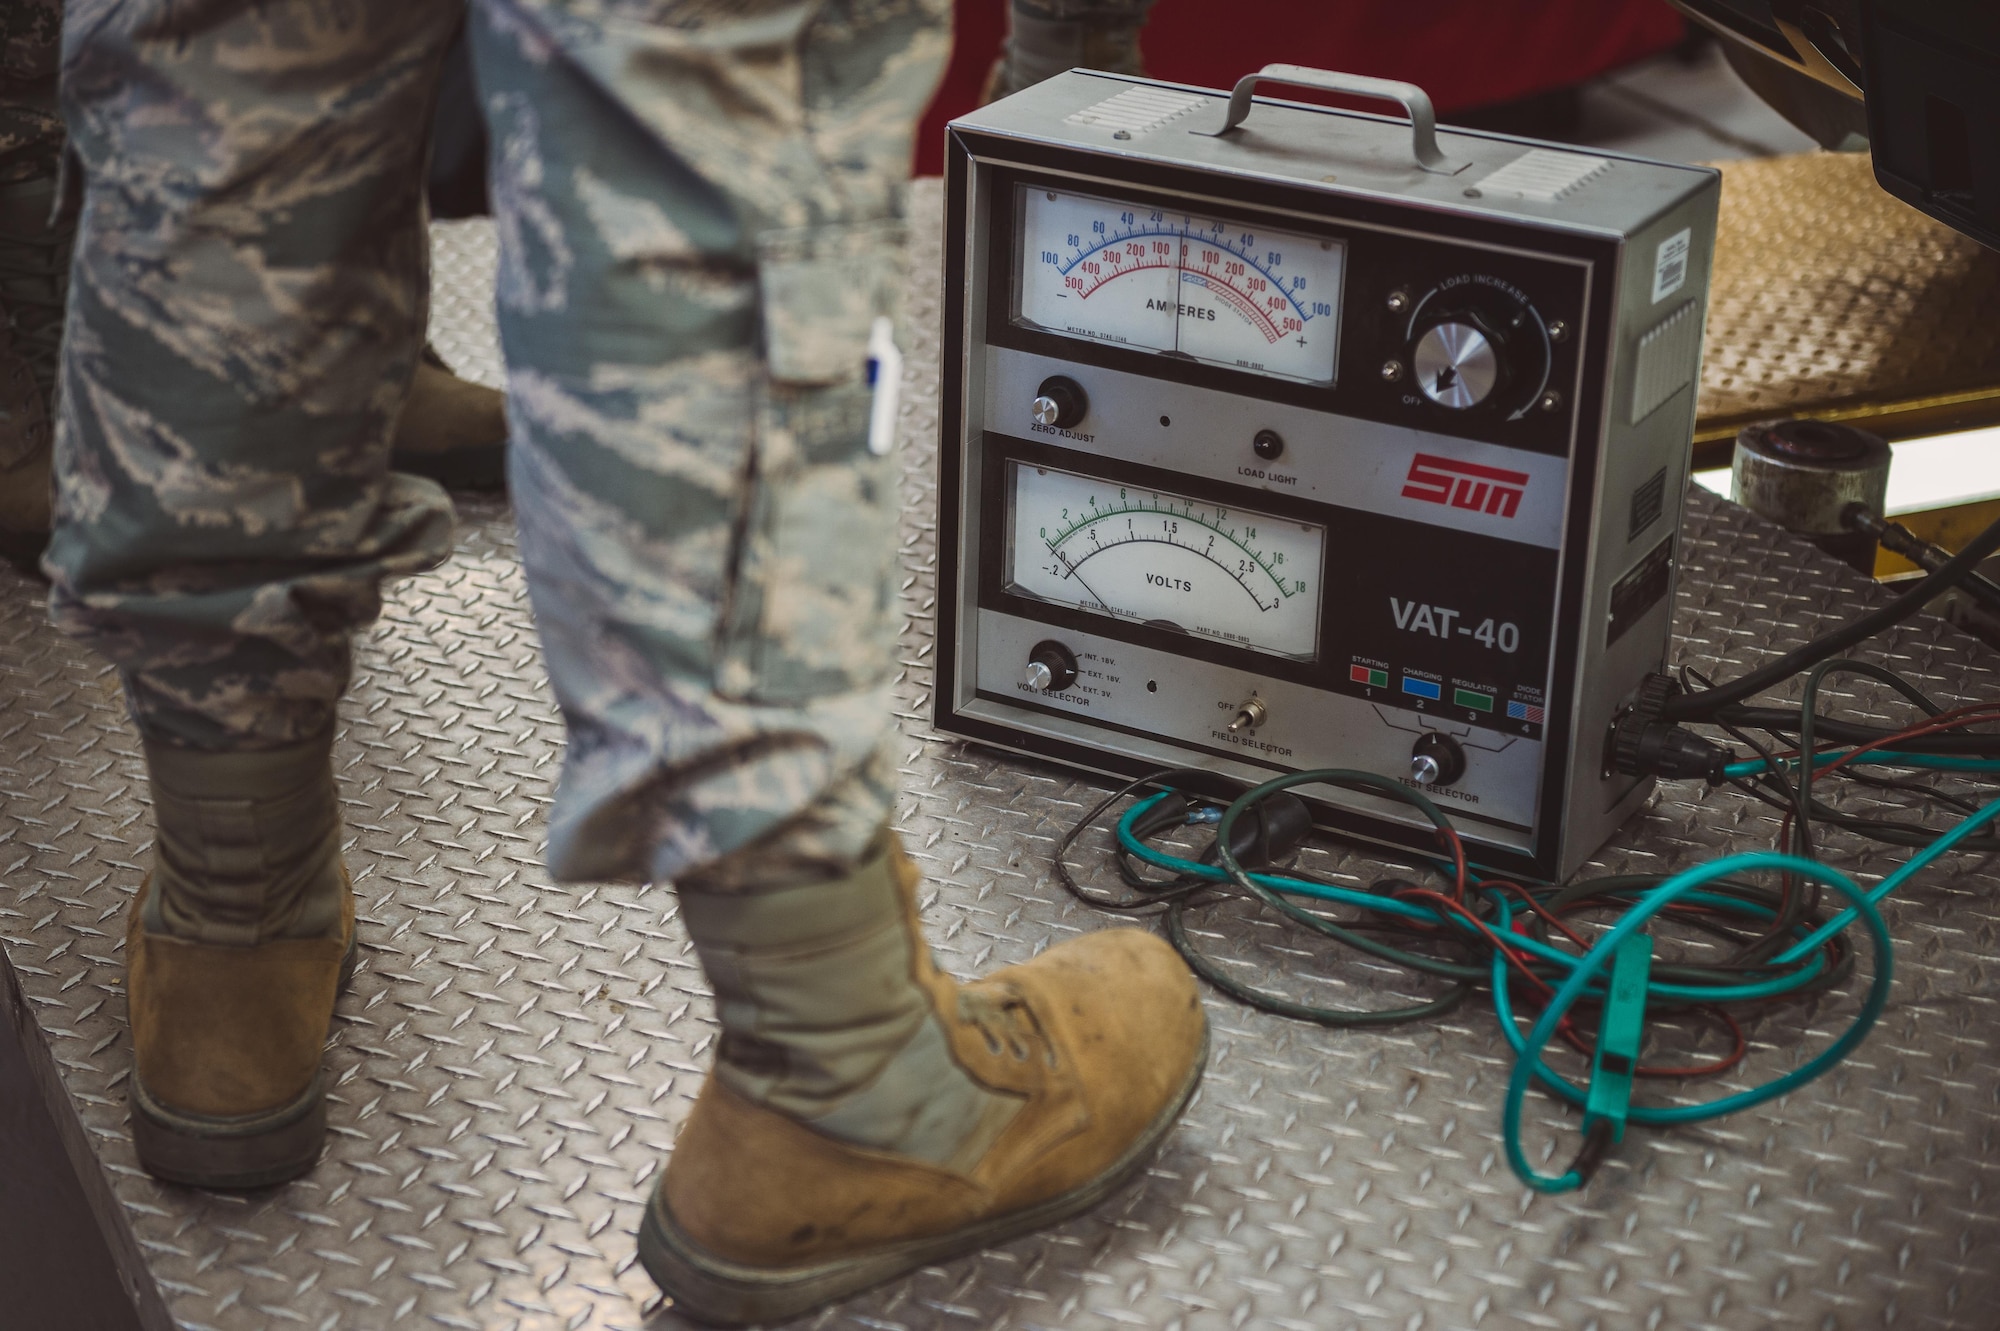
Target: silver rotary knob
<point>1060,402</point>
<point>1456,365</point>
<point>1436,760</point>
<point>1051,667</point>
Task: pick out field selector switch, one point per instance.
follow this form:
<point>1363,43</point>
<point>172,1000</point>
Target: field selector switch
<point>1278,437</point>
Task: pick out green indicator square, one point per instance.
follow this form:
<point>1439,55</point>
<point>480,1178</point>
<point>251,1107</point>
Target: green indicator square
<point>1379,678</point>
<point>1482,702</point>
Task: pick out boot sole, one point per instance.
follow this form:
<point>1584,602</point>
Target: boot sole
<point>709,1289</point>
<point>253,1151</point>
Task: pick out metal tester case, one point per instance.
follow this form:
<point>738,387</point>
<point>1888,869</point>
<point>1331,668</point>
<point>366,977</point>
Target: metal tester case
<point>1280,437</point>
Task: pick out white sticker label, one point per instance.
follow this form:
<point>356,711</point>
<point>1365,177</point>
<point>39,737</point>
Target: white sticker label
<point>1670,265</point>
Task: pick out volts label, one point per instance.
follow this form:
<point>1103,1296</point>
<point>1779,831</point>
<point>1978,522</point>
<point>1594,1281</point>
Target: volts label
<point>1441,621</point>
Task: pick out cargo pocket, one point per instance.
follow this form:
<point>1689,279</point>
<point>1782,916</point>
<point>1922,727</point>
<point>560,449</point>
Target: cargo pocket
<point>811,611</point>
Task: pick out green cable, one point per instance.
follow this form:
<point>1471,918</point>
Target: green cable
<point>1874,758</point>
<point>1529,1066</point>
<point>1804,958</point>
<point>1462,976</point>
<point>1264,886</point>
<point>1915,865</point>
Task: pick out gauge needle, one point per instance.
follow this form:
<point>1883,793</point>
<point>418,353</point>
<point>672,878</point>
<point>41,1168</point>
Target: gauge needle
<point>1078,576</point>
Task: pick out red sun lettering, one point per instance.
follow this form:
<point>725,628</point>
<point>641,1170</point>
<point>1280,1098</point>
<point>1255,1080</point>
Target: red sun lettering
<point>1493,491</point>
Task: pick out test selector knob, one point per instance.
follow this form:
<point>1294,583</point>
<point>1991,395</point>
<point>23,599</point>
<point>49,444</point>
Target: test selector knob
<point>1051,667</point>
<point>1060,402</point>
<point>1436,760</point>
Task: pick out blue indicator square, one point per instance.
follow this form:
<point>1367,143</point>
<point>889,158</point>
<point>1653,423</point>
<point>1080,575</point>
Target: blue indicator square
<point>1423,688</point>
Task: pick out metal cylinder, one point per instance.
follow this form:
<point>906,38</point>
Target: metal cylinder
<point>1802,475</point>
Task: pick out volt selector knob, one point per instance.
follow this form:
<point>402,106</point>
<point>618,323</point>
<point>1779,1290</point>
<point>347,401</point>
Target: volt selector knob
<point>1474,345</point>
<point>1060,402</point>
<point>1051,667</point>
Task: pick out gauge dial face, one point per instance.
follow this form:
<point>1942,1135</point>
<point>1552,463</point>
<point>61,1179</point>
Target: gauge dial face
<point>1166,560</point>
<point>1228,293</point>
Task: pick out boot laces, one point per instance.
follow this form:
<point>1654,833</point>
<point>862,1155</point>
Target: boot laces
<point>1008,1024</point>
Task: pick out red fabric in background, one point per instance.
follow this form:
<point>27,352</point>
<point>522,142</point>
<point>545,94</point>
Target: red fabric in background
<point>1463,52</point>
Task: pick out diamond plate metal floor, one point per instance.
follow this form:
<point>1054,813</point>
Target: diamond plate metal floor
<point>513,1058</point>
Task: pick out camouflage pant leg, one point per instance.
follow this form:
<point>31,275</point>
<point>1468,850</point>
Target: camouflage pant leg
<point>699,208</point>
<point>1047,37</point>
<point>30,44</point>
<point>246,308</point>
<point>30,32</point>
<point>1133,11</point>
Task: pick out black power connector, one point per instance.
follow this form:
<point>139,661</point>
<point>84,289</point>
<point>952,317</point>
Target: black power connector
<point>1271,831</point>
<point>1642,744</point>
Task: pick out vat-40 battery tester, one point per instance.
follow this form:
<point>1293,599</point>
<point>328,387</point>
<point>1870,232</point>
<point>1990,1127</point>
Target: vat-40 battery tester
<point>1281,437</point>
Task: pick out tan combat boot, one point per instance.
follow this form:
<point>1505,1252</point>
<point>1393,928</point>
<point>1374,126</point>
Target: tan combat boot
<point>451,429</point>
<point>1078,1064</point>
<point>235,950</point>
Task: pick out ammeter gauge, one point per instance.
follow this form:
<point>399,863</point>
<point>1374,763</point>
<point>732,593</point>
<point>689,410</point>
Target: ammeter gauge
<point>1210,289</point>
<point>1279,437</point>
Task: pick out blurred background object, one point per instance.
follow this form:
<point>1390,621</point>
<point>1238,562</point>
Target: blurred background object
<point>1919,79</point>
<point>1470,55</point>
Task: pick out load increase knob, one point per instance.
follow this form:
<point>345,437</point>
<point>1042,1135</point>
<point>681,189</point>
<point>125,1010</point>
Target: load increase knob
<point>1478,345</point>
<point>1457,362</point>
<point>1060,402</point>
<point>1051,667</point>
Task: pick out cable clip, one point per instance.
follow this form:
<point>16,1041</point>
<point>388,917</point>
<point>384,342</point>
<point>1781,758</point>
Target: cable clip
<point>1619,1032</point>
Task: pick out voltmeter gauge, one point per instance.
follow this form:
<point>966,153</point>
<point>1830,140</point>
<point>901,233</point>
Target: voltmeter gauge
<point>1166,560</point>
<point>1213,290</point>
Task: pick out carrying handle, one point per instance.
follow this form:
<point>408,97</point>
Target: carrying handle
<point>1423,119</point>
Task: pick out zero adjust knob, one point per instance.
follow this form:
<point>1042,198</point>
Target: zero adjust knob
<point>1475,343</point>
<point>1051,667</point>
<point>1060,402</point>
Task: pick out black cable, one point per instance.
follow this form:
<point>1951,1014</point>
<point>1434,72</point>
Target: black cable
<point>1700,706</point>
<point>1786,721</point>
<point>1462,956</point>
<point>1160,894</point>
